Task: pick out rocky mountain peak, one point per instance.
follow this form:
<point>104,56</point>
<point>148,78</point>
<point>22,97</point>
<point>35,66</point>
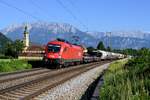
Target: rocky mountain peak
<point>42,32</point>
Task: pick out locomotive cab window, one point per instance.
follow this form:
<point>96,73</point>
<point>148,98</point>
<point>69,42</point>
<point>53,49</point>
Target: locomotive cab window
<point>53,48</point>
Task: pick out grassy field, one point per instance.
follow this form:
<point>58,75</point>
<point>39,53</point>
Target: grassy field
<point>126,80</point>
<point>10,65</point>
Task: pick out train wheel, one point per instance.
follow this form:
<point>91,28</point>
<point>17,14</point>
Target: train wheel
<point>66,64</point>
<point>78,63</point>
<point>59,66</point>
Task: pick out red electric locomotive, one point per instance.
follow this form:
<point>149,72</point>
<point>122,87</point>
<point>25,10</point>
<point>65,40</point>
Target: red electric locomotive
<point>61,53</point>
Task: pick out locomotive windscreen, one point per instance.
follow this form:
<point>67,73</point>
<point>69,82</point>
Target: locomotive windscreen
<point>53,48</point>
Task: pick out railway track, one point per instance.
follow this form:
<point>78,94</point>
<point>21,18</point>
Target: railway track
<point>33,88</point>
<point>18,72</point>
<point>12,79</point>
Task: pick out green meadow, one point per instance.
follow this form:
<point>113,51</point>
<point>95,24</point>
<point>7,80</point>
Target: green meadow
<point>10,65</point>
<point>128,79</point>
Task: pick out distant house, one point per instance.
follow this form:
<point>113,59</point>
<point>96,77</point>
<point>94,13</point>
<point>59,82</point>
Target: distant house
<point>31,52</point>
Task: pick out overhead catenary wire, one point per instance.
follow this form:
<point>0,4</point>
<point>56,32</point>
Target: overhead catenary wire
<point>39,7</point>
<point>77,10</point>
<point>36,18</point>
<point>71,13</point>
<point>71,3</point>
<point>20,10</point>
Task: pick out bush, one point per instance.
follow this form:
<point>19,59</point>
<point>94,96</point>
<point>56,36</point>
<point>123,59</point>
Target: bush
<point>6,57</point>
<point>14,65</point>
<point>130,81</point>
<point>13,49</point>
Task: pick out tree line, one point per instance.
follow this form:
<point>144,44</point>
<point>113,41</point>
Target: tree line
<point>127,51</point>
<point>100,46</point>
<point>12,49</point>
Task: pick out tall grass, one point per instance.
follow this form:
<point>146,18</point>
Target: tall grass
<point>13,65</point>
<point>124,82</point>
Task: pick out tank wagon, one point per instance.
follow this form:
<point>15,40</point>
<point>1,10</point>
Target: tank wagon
<point>109,55</point>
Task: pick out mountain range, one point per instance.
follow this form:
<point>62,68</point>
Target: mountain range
<point>42,32</point>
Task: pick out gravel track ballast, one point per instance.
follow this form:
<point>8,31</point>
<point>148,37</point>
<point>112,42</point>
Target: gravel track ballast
<point>74,88</point>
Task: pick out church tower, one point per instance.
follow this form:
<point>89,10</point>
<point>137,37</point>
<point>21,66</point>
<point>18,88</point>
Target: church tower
<point>26,38</point>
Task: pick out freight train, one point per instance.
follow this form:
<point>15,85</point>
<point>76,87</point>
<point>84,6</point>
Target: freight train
<point>62,53</point>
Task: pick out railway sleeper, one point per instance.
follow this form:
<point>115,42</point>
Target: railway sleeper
<point>10,95</point>
<point>3,97</point>
<point>18,94</point>
<point>14,92</point>
<point>26,89</point>
<point>33,87</point>
<point>22,92</point>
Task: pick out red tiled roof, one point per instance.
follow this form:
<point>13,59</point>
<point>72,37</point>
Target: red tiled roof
<point>34,51</point>
<point>35,48</point>
<point>32,54</point>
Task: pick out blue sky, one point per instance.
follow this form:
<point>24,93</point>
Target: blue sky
<point>97,15</point>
